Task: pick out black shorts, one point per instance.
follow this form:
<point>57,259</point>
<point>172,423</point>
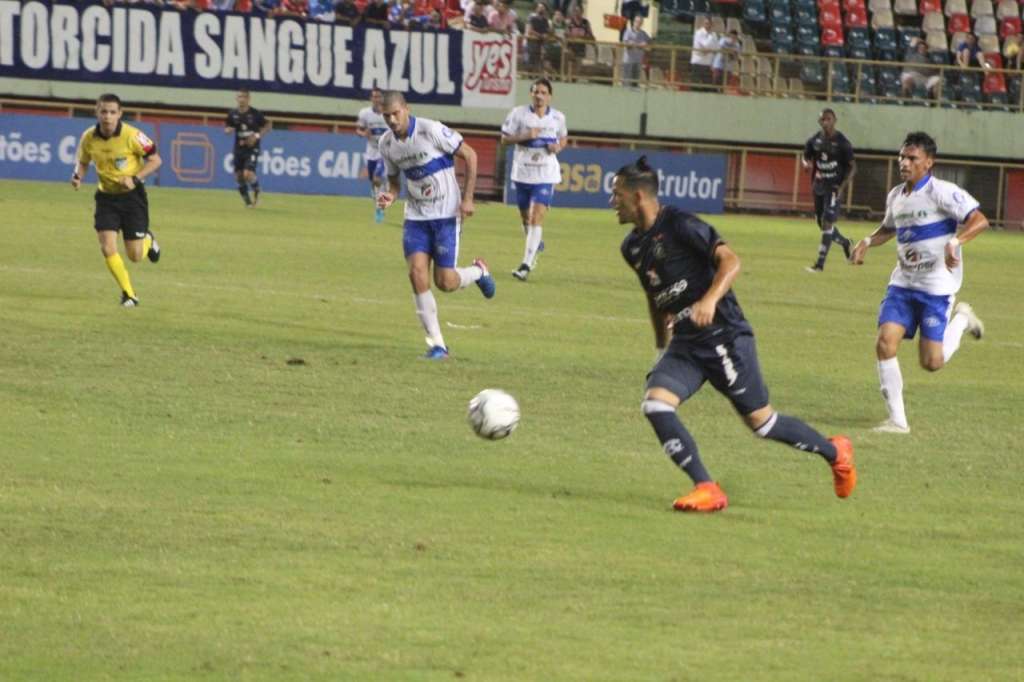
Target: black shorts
<point>246,158</point>
<point>730,366</point>
<point>826,207</point>
<point>127,212</point>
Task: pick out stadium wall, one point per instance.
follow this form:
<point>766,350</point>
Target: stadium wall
<point>604,110</point>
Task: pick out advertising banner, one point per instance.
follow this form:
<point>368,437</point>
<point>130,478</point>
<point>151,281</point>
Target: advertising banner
<point>160,47</point>
<point>692,182</point>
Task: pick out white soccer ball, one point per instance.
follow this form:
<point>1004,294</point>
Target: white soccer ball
<point>493,414</point>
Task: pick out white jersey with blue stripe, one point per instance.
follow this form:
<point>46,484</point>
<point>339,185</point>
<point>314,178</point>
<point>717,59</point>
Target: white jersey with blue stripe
<point>924,220</point>
<point>426,157</point>
<point>531,160</point>
<point>374,124</point>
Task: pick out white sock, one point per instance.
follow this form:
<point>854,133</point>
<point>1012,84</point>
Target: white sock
<point>891,379</point>
<point>954,333</point>
<point>469,275</point>
<point>533,237</point>
<point>426,310</point>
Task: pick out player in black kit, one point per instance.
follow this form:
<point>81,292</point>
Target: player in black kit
<point>687,271</point>
<point>829,157</point>
<point>249,126</point>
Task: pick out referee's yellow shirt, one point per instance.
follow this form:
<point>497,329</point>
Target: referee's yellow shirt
<point>118,156</point>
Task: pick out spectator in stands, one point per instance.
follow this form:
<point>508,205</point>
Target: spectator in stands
<point>346,12</point>
<point>435,22</point>
<point>216,5</point>
<point>321,10</point>
<point>422,9</point>
<point>968,53</point>
<point>266,6</point>
<point>477,18</point>
<point>704,44</point>
<point>293,8</point>
<point>399,14</point>
<point>578,30</point>
<point>635,39</point>
<point>538,29</point>
<point>504,19</point>
<point>1012,51</point>
<point>630,10</point>
<point>918,71</point>
<point>376,13</point>
<point>556,43</point>
<point>726,58</point>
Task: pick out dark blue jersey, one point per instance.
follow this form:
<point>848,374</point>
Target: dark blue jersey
<point>831,157</point>
<point>246,124</point>
<point>675,261</point>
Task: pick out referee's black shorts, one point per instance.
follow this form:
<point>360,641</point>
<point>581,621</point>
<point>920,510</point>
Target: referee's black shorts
<point>127,212</point>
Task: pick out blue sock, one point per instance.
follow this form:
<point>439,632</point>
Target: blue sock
<point>677,442</point>
<point>792,431</point>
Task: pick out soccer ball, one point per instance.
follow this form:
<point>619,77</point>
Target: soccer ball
<point>493,414</point>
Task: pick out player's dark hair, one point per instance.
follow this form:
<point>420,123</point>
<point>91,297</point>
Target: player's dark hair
<point>244,91</point>
<point>546,83</point>
<point>392,97</point>
<point>828,111</point>
<point>639,175</point>
<point>922,141</point>
<point>375,89</point>
<point>108,97</point>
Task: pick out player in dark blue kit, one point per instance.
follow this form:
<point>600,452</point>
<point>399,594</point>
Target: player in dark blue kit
<point>829,157</point>
<point>249,126</point>
<point>687,271</point>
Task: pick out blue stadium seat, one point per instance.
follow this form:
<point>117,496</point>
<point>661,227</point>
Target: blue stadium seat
<point>779,15</point>
<point>868,84</point>
<point>782,40</point>
<point>834,51</point>
<point>938,57</point>
<point>805,16</point>
<point>754,12</point>
<point>970,90</point>
<point>859,52</point>
<point>907,33</point>
<point>858,37</point>
<point>808,50</point>
<point>812,73</point>
<point>808,35</point>
<point>807,5</point>
<point>1013,88</point>
<point>885,45</point>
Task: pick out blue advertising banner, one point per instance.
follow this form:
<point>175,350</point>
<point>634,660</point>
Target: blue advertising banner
<point>692,182</point>
<point>43,147</point>
<point>154,46</point>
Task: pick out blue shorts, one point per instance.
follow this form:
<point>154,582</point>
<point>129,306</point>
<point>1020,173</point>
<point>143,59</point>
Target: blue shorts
<point>527,193</point>
<point>374,168</point>
<point>910,309</point>
<point>730,366</point>
<point>437,238</point>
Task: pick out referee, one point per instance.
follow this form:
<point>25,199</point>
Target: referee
<point>124,158</point>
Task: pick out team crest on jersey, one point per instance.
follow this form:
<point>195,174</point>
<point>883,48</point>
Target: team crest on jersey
<point>653,278</point>
<point>120,163</point>
<point>658,251</point>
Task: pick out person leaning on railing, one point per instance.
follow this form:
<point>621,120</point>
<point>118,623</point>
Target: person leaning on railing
<point>577,30</point>
<point>918,71</point>
<point>636,39</point>
<point>538,28</point>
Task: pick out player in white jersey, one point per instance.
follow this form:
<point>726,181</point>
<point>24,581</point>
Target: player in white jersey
<point>538,133</point>
<point>371,125</point>
<point>424,151</point>
<point>923,213</point>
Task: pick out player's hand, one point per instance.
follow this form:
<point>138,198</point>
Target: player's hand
<point>952,255</point>
<point>127,181</point>
<point>466,208</point>
<point>533,134</point>
<point>859,251</point>
<point>553,148</point>
<point>76,182</point>
<point>385,199</point>
<point>702,313</point>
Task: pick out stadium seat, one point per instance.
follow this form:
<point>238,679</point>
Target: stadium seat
<point>936,41</point>
<point>812,73</point>
<point>982,8</point>
<point>831,6</point>
<point>855,52</point>
<point>906,34</point>
<point>959,23</point>
<point>926,6</point>
<point>1010,26</point>
<point>796,88</point>
<point>904,7</point>
<point>985,26</point>
<point>955,7</point>
<point>885,45</point>
<point>988,44</point>
<point>1007,8</point>
<point>867,84</point>
<point>754,12</point>
<point>854,5</point>
<point>779,15</point>
<point>1013,89</point>
<point>782,39</point>
<point>940,57</point>
<point>808,35</point>
<point>833,20</point>
<point>970,88</point>
<point>830,37</point>
<point>806,15</point>
<point>882,20</point>
<point>933,21</point>
<point>858,37</point>
<point>856,18</point>
<point>877,6</point>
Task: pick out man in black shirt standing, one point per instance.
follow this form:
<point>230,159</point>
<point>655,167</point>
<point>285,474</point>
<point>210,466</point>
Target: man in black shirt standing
<point>829,157</point>
<point>687,270</point>
<point>249,126</point>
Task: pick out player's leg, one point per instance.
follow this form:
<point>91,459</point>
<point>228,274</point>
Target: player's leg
<point>447,276</point>
<point>251,179</point>
<point>825,238</point>
<point>674,378</point>
<point>830,217</point>
<point>107,222</point>
<point>523,196</point>
<point>417,245</point>
<point>243,185</point>
<point>962,320</point>
<point>375,174</point>
<point>139,241</point>
<point>897,319</point>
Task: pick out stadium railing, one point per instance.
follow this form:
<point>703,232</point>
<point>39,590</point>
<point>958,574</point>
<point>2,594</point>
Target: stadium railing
<point>758,178</point>
<point>763,74</point>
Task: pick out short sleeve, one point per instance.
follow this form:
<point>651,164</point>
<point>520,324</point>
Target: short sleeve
<point>230,121</point>
<point>563,131</point>
<point>848,150</point>
<point>696,234</point>
<point>956,202</point>
<point>83,149</point>
<point>889,220</point>
<point>445,139</point>
<point>140,143</point>
<point>390,168</point>
<point>261,120</point>
<point>809,149</point>
<point>361,120</point>
<point>511,124</point>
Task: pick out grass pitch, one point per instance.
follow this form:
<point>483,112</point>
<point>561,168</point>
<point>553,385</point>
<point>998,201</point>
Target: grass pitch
<point>253,477</point>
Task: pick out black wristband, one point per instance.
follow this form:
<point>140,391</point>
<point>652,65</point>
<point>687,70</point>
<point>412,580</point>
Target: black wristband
<point>76,176</point>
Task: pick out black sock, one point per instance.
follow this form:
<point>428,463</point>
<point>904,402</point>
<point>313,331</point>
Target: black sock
<point>826,242</point>
<point>792,431</point>
<point>255,185</point>
<point>678,444</point>
<point>838,237</point>
<point>243,189</point>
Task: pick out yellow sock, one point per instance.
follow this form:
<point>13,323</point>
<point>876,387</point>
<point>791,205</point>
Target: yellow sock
<point>147,244</point>
<point>120,273</point>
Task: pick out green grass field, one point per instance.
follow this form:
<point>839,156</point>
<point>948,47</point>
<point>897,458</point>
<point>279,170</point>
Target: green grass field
<point>181,499</point>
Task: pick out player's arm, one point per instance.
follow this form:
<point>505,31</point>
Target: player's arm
<point>262,132</point>
<point>849,177</point>
<point>230,125</point>
<point>81,168</point>
<point>727,268</point>
<point>530,134</point>
<point>385,199</point>
<point>660,323</point>
<point>976,224</point>
<point>808,155</point>
<point>880,236</point>
<point>152,163</point>
<point>468,154</point>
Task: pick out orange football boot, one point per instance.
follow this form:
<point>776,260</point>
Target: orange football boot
<point>844,472</point>
<point>706,497</point>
